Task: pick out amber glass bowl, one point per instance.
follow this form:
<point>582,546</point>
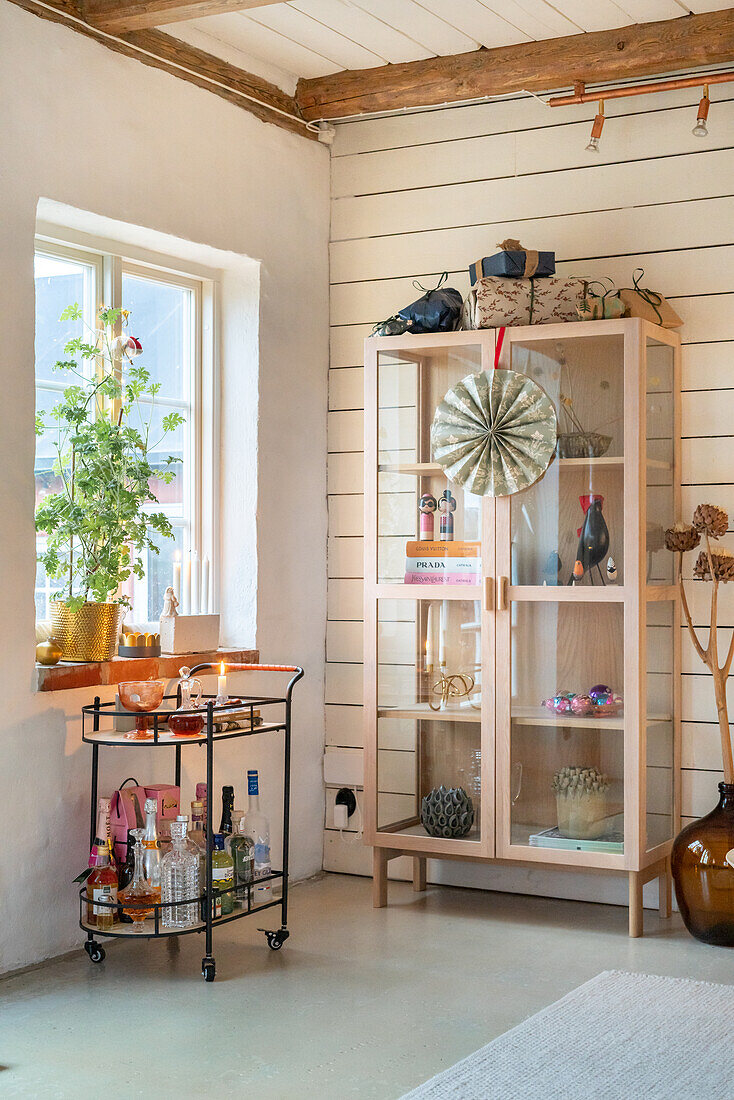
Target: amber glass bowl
<point>140,696</point>
<point>186,725</point>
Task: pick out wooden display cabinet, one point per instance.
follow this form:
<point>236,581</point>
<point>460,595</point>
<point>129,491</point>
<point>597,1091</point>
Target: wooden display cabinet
<point>520,632</point>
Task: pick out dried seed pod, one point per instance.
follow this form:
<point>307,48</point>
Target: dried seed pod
<point>682,537</point>
<point>723,561</point>
<point>711,519</point>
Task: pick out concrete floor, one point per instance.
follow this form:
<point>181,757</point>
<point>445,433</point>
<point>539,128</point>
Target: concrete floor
<point>359,1003</point>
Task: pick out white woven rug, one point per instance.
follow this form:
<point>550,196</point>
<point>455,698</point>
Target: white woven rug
<point>619,1036</point>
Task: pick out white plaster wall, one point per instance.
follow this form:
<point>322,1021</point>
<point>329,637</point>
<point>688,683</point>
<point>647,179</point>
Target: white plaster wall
<point>89,128</point>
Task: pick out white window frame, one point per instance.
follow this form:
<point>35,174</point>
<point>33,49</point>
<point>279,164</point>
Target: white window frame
<point>110,260</point>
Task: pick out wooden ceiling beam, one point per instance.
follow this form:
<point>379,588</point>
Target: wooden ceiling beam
<point>118,16</point>
<point>594,57</point>
<point>161,51</point>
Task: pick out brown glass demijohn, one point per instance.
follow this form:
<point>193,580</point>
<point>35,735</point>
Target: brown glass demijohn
<point>704,881</point>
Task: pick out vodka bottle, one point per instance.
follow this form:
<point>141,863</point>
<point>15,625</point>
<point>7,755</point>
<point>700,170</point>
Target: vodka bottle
<point>256,826</point>
<point>179,881</point>
<point>152,849</point>
<point>242,850</point>
<point>102,882</point>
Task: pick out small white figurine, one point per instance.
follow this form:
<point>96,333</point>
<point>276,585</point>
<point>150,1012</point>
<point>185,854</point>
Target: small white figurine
<point>170,603</point>
<point>611,571</point>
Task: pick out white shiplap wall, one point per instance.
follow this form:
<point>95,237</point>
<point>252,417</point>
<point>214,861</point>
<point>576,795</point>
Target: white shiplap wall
<point>423,193</point>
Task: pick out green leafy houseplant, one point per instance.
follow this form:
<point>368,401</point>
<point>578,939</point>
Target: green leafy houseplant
<point>99,523</point>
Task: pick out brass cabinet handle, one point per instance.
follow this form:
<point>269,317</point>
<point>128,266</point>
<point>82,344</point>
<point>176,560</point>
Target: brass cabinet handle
<point>489,593</point>
<point>503,584</point>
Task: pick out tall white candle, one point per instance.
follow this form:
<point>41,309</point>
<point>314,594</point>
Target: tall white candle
<point>186,587</point>
<point>195,584</point>
<point>443,631</point>
<point>429,637</point>
<point>221,685</point>
<point>205,602</point>
<point>177,575</point>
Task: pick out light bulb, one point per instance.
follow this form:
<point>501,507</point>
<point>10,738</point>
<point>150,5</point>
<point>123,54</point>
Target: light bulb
<point>596,129</point>
<point>701,129</point>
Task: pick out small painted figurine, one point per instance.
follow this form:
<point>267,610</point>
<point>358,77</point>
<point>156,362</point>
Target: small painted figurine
<point>611,570</point>
<point>593,538</point>
<point>170,603</point>
<point>426,507</point>
<point>446,507</point>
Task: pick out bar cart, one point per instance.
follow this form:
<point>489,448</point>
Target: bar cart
<point>280,709</point>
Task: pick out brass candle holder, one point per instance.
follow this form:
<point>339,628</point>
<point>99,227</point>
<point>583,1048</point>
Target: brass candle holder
<point>455,685</point>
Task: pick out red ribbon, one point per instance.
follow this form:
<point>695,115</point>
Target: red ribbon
<point>498,346</point>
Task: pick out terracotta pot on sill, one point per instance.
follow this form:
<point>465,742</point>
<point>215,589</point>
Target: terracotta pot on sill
<point>704,881</point>
<point>89,634</point>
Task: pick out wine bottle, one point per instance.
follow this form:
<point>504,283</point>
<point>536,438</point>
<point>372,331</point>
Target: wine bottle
<point>225,826</point>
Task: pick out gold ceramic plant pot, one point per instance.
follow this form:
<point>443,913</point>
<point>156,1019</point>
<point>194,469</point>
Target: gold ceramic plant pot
<point>89,634</point>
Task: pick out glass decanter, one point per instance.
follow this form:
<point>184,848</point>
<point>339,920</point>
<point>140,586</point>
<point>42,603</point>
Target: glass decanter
<point>179,881</point>
<point>139,898</point>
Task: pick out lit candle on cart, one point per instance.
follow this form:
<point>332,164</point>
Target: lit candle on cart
<point>221,685</point>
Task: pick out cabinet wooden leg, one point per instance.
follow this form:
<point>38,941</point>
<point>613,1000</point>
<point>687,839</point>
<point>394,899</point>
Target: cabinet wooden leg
<point>419,874</point>
<point>665,890</point>
<point>635,904</point>
<point>379,878</point>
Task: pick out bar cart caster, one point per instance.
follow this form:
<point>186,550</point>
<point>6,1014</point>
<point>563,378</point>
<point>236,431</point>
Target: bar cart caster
<point>163,737</point>
<point>275,939</point>
<point>95,951</point>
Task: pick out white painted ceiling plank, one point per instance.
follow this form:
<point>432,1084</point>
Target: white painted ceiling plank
<point>363,28</point>
<point>649,11</point>
<point>423,26</point>
<point>301,29</point>
<point>196,32</point>
<point>478,22</point>
<point>602,15</point>
<point>534,18</point>
<point>261,42</point>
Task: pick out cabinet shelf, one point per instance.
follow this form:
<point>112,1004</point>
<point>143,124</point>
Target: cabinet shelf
<point>434,469</point>
<point>426,714</point>
<point>541,716</point>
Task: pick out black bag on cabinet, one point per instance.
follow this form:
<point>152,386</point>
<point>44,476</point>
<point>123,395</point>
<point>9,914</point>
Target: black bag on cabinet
<point>438,310</point>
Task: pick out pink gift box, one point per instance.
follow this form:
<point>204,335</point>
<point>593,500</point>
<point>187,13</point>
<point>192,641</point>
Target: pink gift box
<point>168,798</point>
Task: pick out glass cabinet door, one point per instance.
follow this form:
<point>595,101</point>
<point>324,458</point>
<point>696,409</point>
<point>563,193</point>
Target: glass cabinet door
<point>569,524</point>
<point>429,712</point>
<point>415,502</point>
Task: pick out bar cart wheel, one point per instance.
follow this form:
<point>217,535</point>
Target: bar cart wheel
<point>275,939</point>
<point>95,951</point>
<point>208,969</point>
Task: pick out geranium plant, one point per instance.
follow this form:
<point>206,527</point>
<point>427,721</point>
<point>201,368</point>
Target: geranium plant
<point>98,524</point>
<point>714,563</point>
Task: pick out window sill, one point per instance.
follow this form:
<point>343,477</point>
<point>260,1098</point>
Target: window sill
<point>68,675</point>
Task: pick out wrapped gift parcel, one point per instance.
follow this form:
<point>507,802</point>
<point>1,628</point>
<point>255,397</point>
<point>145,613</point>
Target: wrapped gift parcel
<point>515,261</point>
<point>648,304</point>
<point>495,302</point>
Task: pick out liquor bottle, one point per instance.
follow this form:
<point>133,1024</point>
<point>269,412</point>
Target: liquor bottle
<point>105,837</point>
<point>225,826</point>
<point>229,840</point>
<point>152,858</point>
<point>222,878</point>
<point>201,796</point>
<point>179,880</point>
<point>242,850</point>
<point>102,882</point>
<point>257,827</point>
<point>139,898</point>
<point>125,873</point>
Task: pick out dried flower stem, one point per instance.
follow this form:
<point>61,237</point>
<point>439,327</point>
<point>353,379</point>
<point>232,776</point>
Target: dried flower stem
<point>710,657</point>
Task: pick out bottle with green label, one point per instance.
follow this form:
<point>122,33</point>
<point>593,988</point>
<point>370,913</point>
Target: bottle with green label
<point>242,849</point>
<point>222,878</point>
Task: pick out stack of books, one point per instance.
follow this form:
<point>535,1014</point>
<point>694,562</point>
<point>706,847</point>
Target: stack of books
<point>443,563</point>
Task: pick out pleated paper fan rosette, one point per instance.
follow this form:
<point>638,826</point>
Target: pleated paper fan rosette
<point>494,433</point>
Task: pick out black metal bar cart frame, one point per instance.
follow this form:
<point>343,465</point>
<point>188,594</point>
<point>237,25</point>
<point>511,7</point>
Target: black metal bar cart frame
<point>162,737</point>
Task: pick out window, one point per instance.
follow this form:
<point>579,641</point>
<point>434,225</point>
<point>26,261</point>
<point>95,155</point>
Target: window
<point>165,316</point>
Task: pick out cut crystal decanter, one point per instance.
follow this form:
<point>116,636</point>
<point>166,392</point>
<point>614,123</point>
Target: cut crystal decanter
<point>179,881</point>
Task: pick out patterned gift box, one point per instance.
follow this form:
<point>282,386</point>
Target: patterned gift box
<point>495,302</point>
